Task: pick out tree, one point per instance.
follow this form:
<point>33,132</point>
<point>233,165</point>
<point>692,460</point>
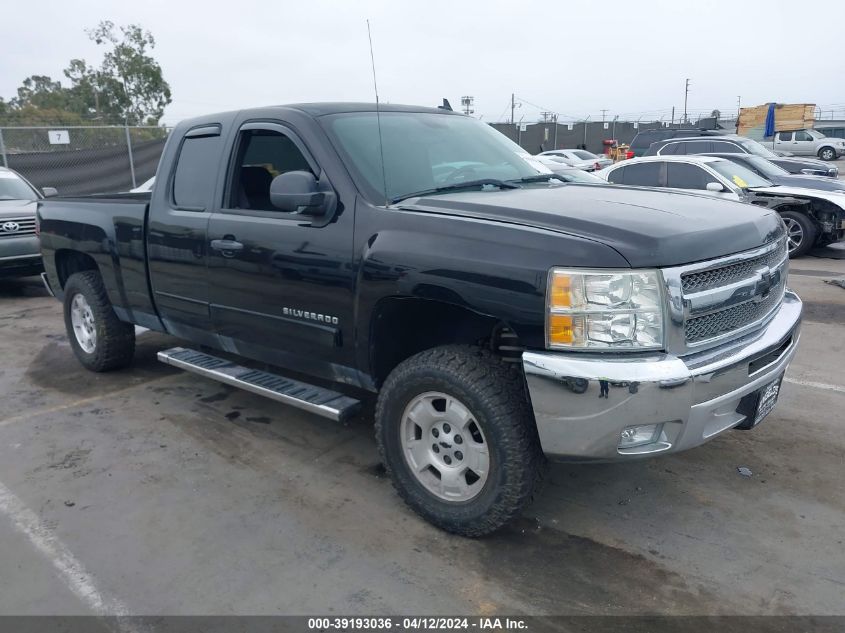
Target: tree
<point>129,79</point>
<point>716,114</point>
<point>127,87</point>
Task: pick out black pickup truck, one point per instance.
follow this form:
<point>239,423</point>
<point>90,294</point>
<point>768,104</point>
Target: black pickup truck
<point>416,255</point>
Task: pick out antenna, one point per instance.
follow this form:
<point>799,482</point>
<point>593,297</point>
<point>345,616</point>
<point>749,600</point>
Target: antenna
<point>378,116</point>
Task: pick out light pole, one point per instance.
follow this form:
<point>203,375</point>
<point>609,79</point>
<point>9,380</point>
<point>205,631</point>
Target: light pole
<point>585,131</point>
<point>686,95</point>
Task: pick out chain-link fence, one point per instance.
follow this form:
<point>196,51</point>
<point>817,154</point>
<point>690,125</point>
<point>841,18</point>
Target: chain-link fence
<point>81,160</point>
<point>589,135</point>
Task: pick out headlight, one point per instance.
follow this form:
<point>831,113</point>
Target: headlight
<point>599,310</point>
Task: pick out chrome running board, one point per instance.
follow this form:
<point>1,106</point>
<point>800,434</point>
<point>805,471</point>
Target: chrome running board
<point>325,402</point>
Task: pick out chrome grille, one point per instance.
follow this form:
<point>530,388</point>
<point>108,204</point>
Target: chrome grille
<point>697,281</point>
<point>716,323</point>
<point>25,226</point>
<point>713,301</point>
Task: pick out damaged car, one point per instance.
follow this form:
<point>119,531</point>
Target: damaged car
<point>812,217</point>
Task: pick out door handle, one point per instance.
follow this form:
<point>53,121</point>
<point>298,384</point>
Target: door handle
<point>226,245</point>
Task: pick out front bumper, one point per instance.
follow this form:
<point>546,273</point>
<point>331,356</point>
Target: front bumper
<point>20,256</point>
<point>695,397</point>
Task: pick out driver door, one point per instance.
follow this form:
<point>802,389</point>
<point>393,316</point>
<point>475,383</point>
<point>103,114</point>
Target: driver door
<point>280,282</point>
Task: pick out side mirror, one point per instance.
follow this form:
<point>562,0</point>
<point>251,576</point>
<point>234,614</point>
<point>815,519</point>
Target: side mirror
<point>49,192</point>
<point>298,191</point>
<point>715,186</point>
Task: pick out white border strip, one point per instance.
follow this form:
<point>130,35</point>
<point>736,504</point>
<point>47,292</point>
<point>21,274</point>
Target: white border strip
<point>815,385</point>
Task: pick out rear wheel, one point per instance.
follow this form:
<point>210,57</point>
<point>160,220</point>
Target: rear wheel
<point>99,339</point>
<point>800,232</point>
<point>458,438</point>
<point>827,153</point>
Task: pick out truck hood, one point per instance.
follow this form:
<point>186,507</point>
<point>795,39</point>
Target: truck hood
<point>648,227</point>
<point>17,208</point>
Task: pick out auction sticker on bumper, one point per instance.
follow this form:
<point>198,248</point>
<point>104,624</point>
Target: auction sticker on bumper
<point>768,399</point>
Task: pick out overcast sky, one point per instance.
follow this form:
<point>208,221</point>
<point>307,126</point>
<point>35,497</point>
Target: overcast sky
<point>575,58</point>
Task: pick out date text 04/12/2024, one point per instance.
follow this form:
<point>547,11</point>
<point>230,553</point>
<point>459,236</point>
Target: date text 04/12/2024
<point>417,623</point>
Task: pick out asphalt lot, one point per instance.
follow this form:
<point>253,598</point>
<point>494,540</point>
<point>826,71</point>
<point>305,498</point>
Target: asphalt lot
<point>150,491</point>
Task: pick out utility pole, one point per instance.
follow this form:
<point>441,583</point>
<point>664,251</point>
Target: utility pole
<point>513,106</point>
<point>466,103</point>
<point>673,117</point>
<point>738,106</point>
<point>686,94</point>
<point>603,113</point>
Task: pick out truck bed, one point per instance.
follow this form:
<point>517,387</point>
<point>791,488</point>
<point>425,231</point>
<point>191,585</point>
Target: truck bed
<point>110,230</point>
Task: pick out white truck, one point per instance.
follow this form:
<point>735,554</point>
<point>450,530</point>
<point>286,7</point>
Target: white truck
<point>807,142</point>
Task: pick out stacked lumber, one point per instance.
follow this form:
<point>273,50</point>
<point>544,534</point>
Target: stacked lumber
<point>788,116</point>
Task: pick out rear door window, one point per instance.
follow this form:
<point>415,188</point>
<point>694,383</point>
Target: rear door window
<point>643,174</point>
<point>616,175</point>
<point>698,147</point>
<point>195,175</point>
<point>723,147</point>
<point>670,149</point>
<point>686,176</point>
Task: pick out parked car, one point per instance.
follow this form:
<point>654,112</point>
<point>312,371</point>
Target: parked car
<point>643,140</point>
<point>573,174</point>
<point>580,158</point>
<point>779,176</point>
<point>463,302</point>
<point>812,217</point>
<point>567,172</point>
<point>807,142</point>
<point>740,145</point>
<point>20,254</point>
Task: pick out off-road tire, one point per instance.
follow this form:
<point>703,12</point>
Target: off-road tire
<point>809,232</point>
<point>115,344</point>
<point>827,153</point>
<point>495,393</point>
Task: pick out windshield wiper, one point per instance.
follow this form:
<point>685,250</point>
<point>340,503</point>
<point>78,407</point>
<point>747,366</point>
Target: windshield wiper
<point>540,178</point>
<point>469,184</point>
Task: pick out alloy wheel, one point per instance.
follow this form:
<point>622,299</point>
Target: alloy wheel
<point>444,446</point>
<point>84,327</point>
<point>794,233</point>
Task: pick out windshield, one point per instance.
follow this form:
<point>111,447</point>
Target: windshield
<point>755,148</point>
<point>580,153</point>
<point>423,151</point>
<point>13,187</point>
<point>740,176</point>
<point>768,169</point>
<point>816,134</point>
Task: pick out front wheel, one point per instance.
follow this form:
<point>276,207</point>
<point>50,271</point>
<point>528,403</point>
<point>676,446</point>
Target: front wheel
<point>827,153</point>
<point>99,339</point>
<point>458,438</point>
<point>800,232</point>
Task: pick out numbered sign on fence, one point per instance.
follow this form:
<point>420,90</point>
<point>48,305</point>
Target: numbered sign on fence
<point>59,137</point>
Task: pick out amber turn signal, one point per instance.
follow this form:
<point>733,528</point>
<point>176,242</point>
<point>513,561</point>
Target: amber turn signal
<point>561,296</point>
<point>560,329</point>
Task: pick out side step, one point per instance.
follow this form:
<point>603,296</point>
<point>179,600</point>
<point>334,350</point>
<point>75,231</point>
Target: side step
<point>324,402</point>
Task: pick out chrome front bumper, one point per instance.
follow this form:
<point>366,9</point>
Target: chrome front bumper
<point>695,397</point>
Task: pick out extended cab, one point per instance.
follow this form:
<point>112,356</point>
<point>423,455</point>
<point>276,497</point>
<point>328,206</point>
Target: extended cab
<point>498,315</point>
